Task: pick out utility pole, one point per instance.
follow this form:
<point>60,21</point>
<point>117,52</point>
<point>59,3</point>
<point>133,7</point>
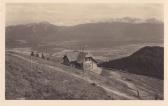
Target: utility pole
<point>30,63</point>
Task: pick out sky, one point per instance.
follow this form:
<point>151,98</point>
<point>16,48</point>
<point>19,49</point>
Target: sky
<point>73,14</point>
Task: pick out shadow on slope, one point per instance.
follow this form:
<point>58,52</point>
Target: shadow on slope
<point>146,61</point>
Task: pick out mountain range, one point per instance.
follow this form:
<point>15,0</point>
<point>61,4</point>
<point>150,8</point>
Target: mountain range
<point>126,29</point>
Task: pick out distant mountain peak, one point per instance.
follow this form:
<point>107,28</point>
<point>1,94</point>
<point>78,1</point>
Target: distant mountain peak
<point>153,20</point>
<point>39,23</point>
<point>136,20</point>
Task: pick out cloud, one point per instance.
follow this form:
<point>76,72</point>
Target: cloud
<point>72,14</point>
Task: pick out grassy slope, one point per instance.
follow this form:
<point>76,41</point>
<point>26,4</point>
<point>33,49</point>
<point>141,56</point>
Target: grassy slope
<point>145,61</point>
<point>42,83</point>
<point>148,87</point>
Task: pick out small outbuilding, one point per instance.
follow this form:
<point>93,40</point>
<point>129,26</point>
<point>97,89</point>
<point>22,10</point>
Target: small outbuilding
<point>81,60</point>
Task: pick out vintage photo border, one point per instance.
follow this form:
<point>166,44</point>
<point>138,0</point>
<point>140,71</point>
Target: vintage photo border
<point>4,102</point>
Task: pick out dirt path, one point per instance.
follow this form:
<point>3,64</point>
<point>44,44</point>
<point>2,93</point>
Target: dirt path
<point>108,89</point>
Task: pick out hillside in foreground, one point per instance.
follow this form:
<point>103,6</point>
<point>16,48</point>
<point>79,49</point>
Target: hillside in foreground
<point>39,82</point>
<point>45,79</point>
<point>146,61</point>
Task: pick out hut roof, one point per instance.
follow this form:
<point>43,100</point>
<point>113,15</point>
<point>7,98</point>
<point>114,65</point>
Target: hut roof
<point>72,56</point>
<point>77,56</point>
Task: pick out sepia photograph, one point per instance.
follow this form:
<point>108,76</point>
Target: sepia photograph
<point>84,51</point>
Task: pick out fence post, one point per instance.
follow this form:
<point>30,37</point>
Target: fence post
<point>138,94</point>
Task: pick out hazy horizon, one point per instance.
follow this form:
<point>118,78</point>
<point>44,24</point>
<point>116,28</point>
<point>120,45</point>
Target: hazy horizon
<point>74,14</point>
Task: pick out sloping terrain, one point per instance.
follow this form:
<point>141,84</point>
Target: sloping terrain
<point>38,82</point>
<point>146,61</point>
<point>44,79</point>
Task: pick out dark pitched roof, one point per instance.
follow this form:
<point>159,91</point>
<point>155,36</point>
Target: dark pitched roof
<point>72,56</point>
<point>78,56</point>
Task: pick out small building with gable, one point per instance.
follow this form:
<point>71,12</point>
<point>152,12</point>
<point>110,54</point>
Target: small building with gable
<point>81,60</point>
